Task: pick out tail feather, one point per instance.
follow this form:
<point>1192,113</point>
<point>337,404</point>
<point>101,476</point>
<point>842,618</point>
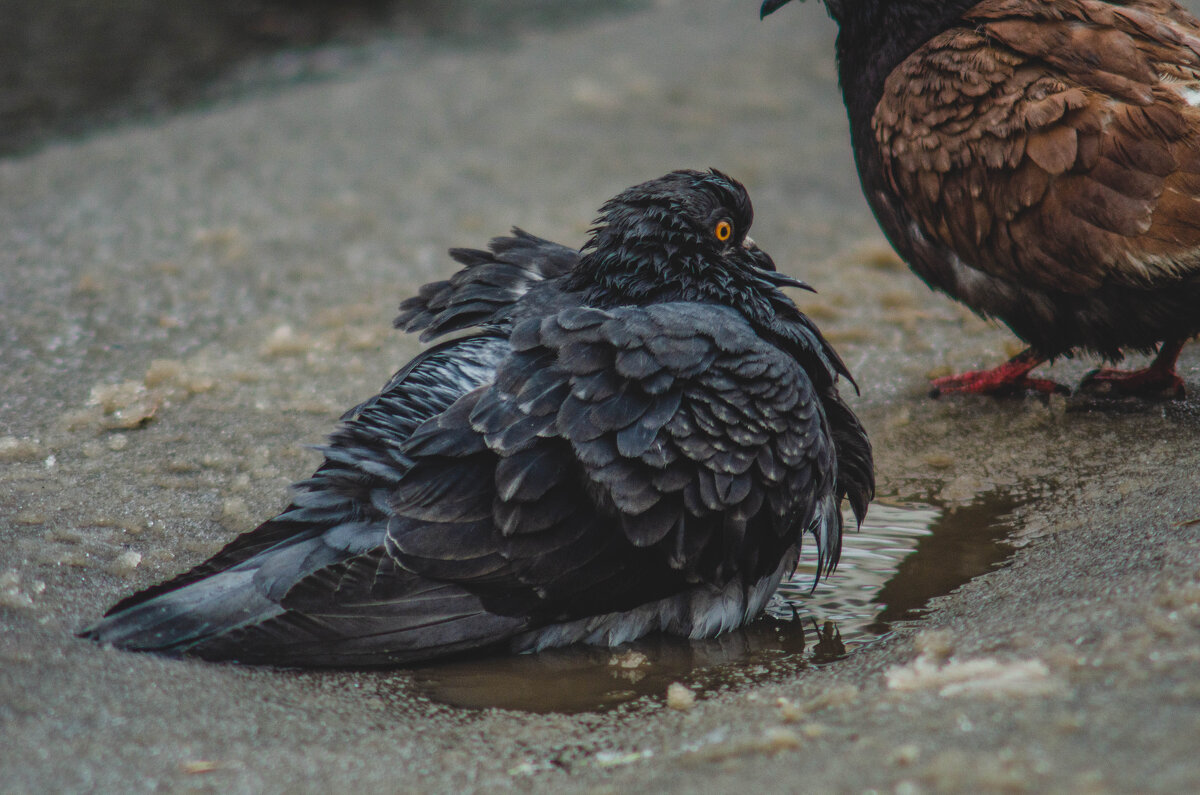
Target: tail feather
<point>309,604</point>
<point>401,633</point>
<point>484,291</point>
<point>855,460</point>
<point>174,622</point>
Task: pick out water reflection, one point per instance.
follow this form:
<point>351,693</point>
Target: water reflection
<point>904,556</point>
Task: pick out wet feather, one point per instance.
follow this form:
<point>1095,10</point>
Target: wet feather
<point>635,436</point>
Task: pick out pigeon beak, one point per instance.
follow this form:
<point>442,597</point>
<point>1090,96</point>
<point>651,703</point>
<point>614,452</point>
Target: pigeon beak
<point>783,280</point>
<point>770,7</point>
<point>768,271</point>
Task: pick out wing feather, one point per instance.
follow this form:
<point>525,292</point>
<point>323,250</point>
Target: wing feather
<point>361,460</point>
<point>622,482</point>
<point>485,289</point>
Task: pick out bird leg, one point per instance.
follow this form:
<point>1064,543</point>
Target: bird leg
<point>1158,380</point>
<point>1010,378</point>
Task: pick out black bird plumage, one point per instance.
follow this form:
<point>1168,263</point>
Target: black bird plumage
<point>628,438</point>
<point>1038,160</point>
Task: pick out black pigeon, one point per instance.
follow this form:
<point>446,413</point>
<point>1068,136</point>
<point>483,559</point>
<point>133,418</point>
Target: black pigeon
<point>632,437</point>
<point>1040,162</point>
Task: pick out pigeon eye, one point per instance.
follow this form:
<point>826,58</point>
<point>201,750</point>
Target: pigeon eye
<point>723,230</point>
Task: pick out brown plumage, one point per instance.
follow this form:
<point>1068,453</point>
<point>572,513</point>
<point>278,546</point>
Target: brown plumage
<point>1040,162</point>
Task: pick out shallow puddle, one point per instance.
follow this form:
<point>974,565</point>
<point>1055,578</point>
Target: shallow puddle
<point>903,557</point>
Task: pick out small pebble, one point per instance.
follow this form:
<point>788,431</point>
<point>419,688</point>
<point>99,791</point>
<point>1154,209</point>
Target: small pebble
<point>838,696</point>
<point>778,739</point>
<point>939,460</point>
<point>905,755</point>
<point>630,659</point>
<point>789,711</point>
<point>986,677</point>
<point>937,644</point>
<point>680,697</point>
<point>13,448</point>
<point>814,731</point>
<point>284,341</point>
<point>125,563</point>
<point>163,372</point>
<point>125,405</point>
<point>235,515</point>
<point>13,595</point>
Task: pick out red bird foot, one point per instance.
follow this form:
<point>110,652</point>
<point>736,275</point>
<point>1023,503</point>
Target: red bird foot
<point>1010,378</point>
<point>1147,383</point>
<point>1158,381</point>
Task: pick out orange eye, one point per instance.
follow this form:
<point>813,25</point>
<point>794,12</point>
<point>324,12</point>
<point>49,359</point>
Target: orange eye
<point>723,230</point>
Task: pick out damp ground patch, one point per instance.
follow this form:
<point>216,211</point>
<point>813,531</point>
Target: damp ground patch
<point>903,557</point>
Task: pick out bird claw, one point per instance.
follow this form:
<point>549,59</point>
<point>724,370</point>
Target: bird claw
<point>1151,383</point>
<point>988,382</point>
<point>1010,378</point>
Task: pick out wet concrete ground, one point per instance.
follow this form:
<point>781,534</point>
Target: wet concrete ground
<point>188,301</point>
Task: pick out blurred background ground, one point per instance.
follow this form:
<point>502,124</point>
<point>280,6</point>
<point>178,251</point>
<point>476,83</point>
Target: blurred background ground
<point>202,243</point>
<point>68,66</point>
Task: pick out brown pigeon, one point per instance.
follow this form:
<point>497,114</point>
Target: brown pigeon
<point>1039,162</point>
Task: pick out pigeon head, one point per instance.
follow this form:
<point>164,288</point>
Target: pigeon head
<point>683,236</point>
